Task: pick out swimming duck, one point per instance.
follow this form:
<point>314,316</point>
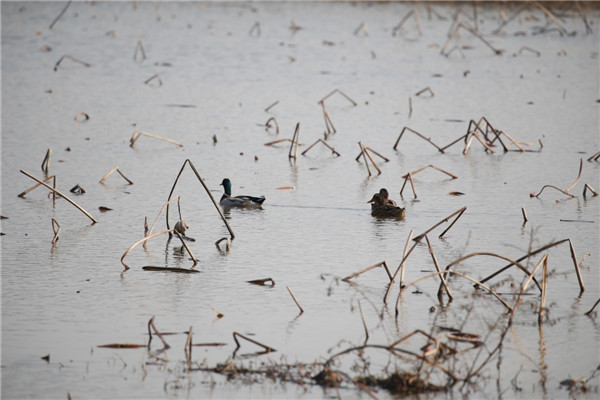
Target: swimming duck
<point>227,200</point>
<point>382,206</point>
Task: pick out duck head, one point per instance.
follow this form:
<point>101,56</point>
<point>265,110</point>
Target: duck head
<point>226,186</point>
<point>376,199</point>
<point>383,193</point>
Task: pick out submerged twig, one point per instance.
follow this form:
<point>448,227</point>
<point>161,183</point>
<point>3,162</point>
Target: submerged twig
<point>294,144</point>
<point>340,92</point>
<point>139,48</point>
<point>55,229</point>
<point>333,151</point>
<point>381,263</point>
<point>543,261</point>
<point>151,325</point>
<point>46,162</point>
<point>406,128</point>
<point>235,338</point>
<point>566,191</point>
<point>72,59</point>
<point>59,15</point>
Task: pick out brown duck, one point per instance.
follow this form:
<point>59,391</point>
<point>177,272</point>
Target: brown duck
<point>384,207</point>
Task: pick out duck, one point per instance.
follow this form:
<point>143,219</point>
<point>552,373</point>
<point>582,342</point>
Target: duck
<point>227,200</point>
<point>384,207</point>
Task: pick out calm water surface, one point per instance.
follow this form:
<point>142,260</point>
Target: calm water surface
<point>66,299</point>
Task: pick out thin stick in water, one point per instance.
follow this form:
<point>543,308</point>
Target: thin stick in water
<point>459,212</point>
<point>271,106</point>
<point>151,325</point>
<point>524,215</point>
<point>235,338</point>
<point>294,144</point>
<point>543,261</point>
<point>46,162</point>
<point>120,173</point>
<point>340,92</point>
<point>139,48</point>
<point>437,267</point>
<point>59,15</point>
<point>295,299</point>
<point>55,229</point>
<point>72,59</point>
<point>137,134</point>
<point>362,316</point>
<point>325,143</point>
<point>406,128</point>
<point>381,263</point>
<point>591,189</point>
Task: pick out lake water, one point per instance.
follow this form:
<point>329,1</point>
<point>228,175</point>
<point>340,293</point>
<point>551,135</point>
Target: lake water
<point>218,67</point>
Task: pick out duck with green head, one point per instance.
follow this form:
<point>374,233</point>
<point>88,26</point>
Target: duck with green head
<point>227,200</point>
<point>384,207</point>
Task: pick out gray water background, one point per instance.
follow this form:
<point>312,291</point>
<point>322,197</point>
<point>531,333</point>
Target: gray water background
<point>66,299</point>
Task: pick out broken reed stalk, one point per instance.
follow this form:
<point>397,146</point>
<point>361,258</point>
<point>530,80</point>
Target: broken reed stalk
<point>227,243</point>
<point>295,139</point>
<point>431,166</point>
<point>187,161</point>
<point>543,261</point>
<point>387,270</point>
<point>169,231</point>
<point>362,316</point>
<point>236,334</point>
<point>585,189</point>
<point>255,28</point>
<point>46,162</point>
<point>524,215</point>
<point>278,141</point>
<point>566,191</point>
<point>72,59</point>
<point>427,89</point>
<point>295,299</point>
<point>409,108</point>
<point>153,77</point>
<point>470,30</point>
<point>55,229</point>
<point>544,291</point>
<point>53,177</point>
<point>325,143</point>
<point>271,106</point>
<point>328,122</point>
<point>176,197</point>
<point>459,212</point>
<point>139,48</point>
<point>576,264</point>
<point>437,267</point>
<point>60,15</point>
<point>120,173</point>
<point>485,253</point>
<point>340,92</point>
<point>479,284</point>
<point>400,267</point>
<point>151,325</point>
<point>406,128</point>
<point>87,214</point>
<point>137,134</point>
<point>188,348</point>
<point>268,125</point>
<point>408,177</point>
<point>594,157</point>
<point>364,151</point>
<point>593,307</point>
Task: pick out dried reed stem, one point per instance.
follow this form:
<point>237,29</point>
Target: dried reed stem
<point>295,299</point>
<point>363,152</point>
<point>176,197</point>
<point>120,173</point>
<point>53,177</point>
<point>151,325</point>
<point>594,157</point>
<point>328,122</point>
<point>544,291</point>
<point>585,189</point>
<point>72,59</point>
<point>412,185</point>
<point>139,48</point>
<point>340,92</point>
<point>295,139</point>
<point>268,125</point>
<point>459,212</point>
<point>384,158</point>
<point>524,215</point>
<point>406,128</point>
<point>431,166</point>
<point>186,247</point>
<point>543,261</point>
<point>255,28</point>
<point>427,89</point>
<point>485,253</point>
<point>187,161</point>
<point>55,229</point>
<point>325,143</point>
<point>46,162</point>
<point>236,334</point>
<point>278,141</point>
<point>137,134</point>
<point>60,15</point>
<point>227,243</point>
<point>530,50</point>
<point>271,106</point>
<point>470,30</point>
<point>576,265</point>
<point>479,284</point>
<point>566,191</point>
<point>437,267</point>
<point>169,231</point>
<point>410,109</point>
<point>362,316</point>
<point>153,77</point>
<point>188,347</point>
<point>552,17</point>
<point>594,306</point>
<point>381,263</point>
<point>400,267</point>
<point>60,194</point>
